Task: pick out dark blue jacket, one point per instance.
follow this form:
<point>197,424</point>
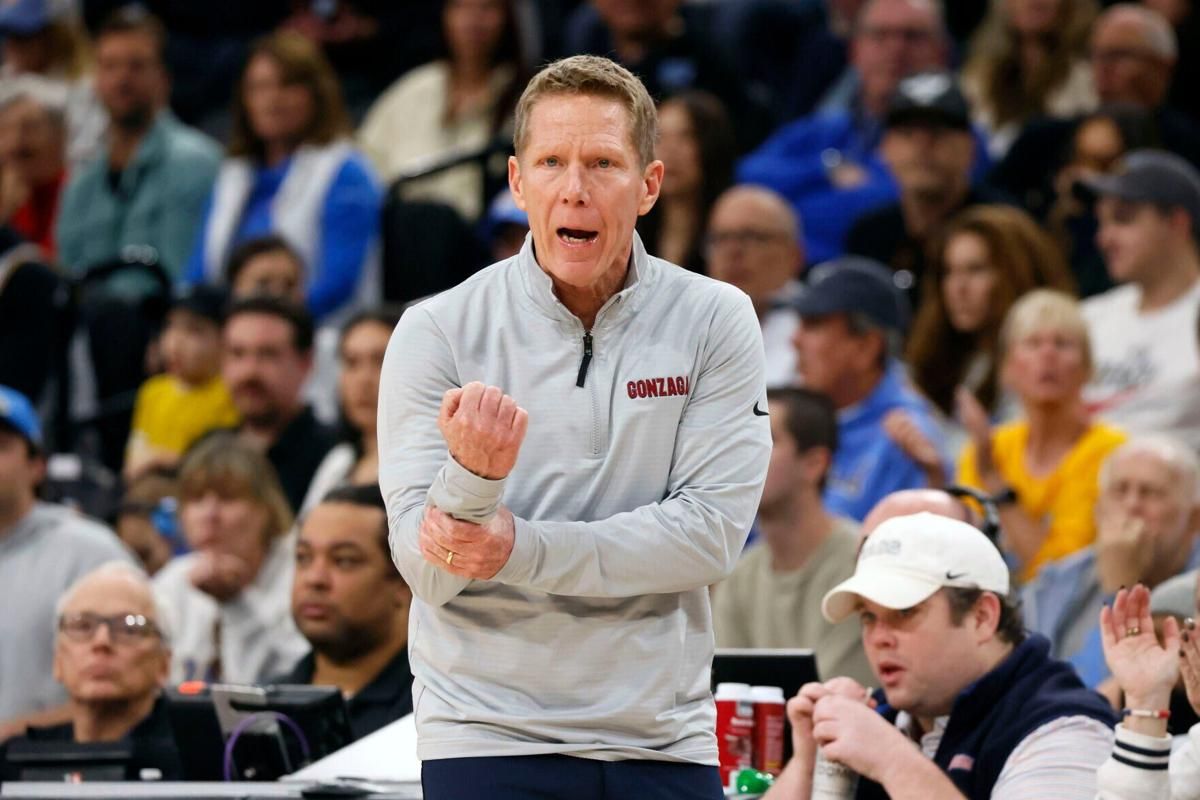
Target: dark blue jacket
<point>995,714</point>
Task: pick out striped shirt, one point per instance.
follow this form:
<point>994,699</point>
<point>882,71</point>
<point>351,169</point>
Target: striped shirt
<point>1145,767</point>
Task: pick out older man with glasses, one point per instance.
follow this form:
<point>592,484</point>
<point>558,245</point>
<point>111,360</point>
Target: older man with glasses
<point>112,657</point>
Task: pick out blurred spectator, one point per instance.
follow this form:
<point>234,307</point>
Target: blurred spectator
<point>451,107</point>
<point>147,521</point>
<point>149,185</point>
<point>1096,149</point>
<point>754,243</point>
<point>226,602</point>
<point>290,170</point>
<point>505,227</point>
<point>32,154</point>
<point>45,37</point>
<point>671,46</point>
<point>369,42</point>
<point>266,265</point>
<point>1028,59</point>
<point>362,344</point>
<point>112,654</point>
<point>828,164</point>
<point>971,705</point>
<point>1143,763</point>
<point>352,606</point>
<point>696,145</point>
<point>1143,332</point>
<point>1147,520</point>
<point>35,318</point>
<point>44,548</point>
<point>852,322</point>
<point>1043,467</point>
<point>190,398</point>
<point>267,356</point>
<point>771,597</point>
<point>1133,56</point>
<point>929,147</point>
<point>984,259</point>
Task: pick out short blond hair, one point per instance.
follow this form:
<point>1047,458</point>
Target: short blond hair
<point>593,76</point>
<point>1043,309</point>
<point>225,464</point>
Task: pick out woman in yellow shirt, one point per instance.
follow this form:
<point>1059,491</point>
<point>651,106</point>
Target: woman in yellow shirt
<point>1046,464</point>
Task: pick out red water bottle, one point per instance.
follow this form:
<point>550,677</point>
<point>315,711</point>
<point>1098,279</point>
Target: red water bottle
<point>735,728</point>
<point>768,728</point>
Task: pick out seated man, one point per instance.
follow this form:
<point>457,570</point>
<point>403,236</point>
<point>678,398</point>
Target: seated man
<point>112,658</point>
<point>852,322</point>
<point>771,598</point>
<point>991,713</point>
<point>44,548</point>
<point>1147,519</point>
<point>352,605</point>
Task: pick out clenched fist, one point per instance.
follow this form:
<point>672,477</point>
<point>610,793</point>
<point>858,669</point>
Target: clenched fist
<point>483,428</point>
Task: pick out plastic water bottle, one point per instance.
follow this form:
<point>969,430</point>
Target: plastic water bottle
<point>831,780</point>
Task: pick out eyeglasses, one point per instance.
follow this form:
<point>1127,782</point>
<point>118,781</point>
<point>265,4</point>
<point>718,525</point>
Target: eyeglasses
<point>1115,54</point>
<point>122,628</point>
<point>717,239</point>
<point>909,36</point>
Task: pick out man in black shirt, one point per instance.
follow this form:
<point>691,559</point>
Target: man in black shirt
<point>112,658</point>
<point>352,605</point>
<point>929,148</point>
<point>267,358</point>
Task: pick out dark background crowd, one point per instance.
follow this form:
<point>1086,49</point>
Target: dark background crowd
<point>971,233</point>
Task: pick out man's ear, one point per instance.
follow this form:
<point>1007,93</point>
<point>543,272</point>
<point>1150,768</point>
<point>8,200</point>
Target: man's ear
<point>986,615</point>
<point>652,177</point>
<point>514,182</point>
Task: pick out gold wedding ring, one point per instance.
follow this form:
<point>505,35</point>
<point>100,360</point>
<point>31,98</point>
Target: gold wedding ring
<point>449,558</point>
<point>1134,631</point>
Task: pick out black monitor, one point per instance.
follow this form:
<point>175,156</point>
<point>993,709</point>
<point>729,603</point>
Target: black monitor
<point>70,762</point>
<point>787,668</point>
<point>285,727</point>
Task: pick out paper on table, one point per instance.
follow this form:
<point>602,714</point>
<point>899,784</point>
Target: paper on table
<point>388,754</point>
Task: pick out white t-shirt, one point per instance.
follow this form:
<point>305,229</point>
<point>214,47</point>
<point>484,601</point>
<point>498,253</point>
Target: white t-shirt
<point>1147,363</point>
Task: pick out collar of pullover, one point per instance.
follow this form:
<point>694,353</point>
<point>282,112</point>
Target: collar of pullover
<point>539,288</point>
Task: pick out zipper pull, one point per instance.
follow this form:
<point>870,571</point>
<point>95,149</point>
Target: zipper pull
<point>587,358</point>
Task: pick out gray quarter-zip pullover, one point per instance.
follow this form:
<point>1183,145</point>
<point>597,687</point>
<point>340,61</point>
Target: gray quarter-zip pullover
<point>637,481</point>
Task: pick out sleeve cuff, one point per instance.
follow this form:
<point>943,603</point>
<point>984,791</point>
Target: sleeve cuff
<point>1141,751</point>
<point>464,495</point>
<point>522,561</point>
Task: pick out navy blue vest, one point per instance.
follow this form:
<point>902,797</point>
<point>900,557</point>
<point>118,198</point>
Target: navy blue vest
<point>993,715</point>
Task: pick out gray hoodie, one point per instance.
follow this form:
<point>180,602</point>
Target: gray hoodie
<point>638,479</point>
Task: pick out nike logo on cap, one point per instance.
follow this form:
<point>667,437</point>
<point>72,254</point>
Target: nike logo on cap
<point>953,576</point>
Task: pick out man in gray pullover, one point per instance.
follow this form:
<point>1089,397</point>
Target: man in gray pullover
<point>561,641</point>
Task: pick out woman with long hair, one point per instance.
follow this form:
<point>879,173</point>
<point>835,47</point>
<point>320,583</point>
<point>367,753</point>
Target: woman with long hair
<point>697,144</point>
<point>292,170</point>
<point>361,348</point>
<point>457,104</point>
<point>228,601</point>
<point>984,260</point>
<point>1028,59</point>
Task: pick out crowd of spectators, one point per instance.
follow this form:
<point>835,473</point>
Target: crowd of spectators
<point>970,231</point>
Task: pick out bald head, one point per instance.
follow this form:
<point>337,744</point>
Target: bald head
<point>914,501</point>
<point>1133,50</point>
<point>109,586</point>
<point>754,242</point>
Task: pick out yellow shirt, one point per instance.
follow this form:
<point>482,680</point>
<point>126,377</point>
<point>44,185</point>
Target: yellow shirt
<point>169,415</point>
<point>1065,500</point>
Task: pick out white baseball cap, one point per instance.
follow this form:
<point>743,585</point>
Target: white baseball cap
<point>906,559</point>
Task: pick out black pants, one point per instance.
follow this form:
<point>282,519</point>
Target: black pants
<point>555,777</point>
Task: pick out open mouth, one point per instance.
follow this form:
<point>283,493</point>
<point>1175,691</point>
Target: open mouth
<point>576,236</point>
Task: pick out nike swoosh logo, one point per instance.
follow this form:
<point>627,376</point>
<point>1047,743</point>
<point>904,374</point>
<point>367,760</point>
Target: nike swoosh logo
<point>953,576</point>
<point>758,412</point>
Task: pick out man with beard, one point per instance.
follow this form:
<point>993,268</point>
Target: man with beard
<point>352,605</point>
<point>268,354</point>
<point>148,189</point>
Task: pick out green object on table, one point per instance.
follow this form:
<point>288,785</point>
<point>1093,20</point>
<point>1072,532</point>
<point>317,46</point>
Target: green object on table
<point>751,781</point>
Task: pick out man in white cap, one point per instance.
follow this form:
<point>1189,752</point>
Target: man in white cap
<point>971,705</point>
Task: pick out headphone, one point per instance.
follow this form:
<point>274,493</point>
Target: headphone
<point>990,525</point>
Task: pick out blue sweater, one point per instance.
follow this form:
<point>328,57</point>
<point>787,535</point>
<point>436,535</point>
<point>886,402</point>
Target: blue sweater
<point>992,716</point>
